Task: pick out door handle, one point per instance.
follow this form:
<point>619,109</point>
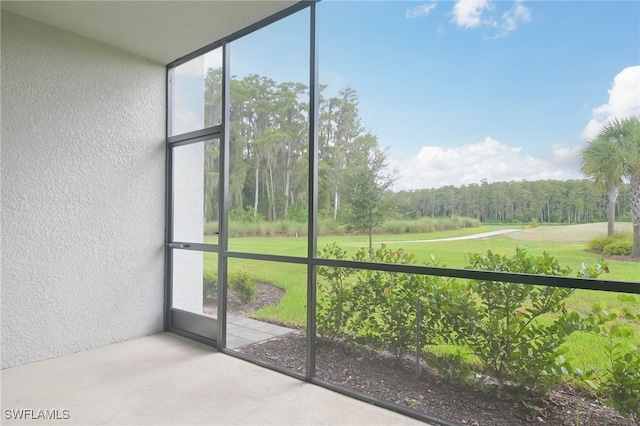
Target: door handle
<point>178,245</point>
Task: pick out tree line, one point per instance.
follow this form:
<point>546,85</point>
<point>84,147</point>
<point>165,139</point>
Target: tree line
<point>269,155</point>
<point>552,201</point>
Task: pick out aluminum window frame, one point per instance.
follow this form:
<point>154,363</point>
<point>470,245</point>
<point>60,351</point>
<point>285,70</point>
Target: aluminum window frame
<point>311,260</point>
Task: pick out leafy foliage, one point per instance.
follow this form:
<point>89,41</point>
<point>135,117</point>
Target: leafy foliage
<point>268,172</point>
<point>601,242</point>
<point>507,332</point>
<point>515,331</point>
<point>619,386</point>
<point>209,284</point>
<point>621,247</point>
<point>380,308</point>
<point>385,303</point>
<point>334,294</point>
<point>368,190</point>
<point>244,285</point>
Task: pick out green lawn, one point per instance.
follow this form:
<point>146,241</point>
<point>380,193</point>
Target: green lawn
<point>586,348</point>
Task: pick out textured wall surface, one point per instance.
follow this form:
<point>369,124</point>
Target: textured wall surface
<point>83,193</point>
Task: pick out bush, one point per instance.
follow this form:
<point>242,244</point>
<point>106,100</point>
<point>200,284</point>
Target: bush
<point>211,228</point>
<point>244,285</point>
<point>209,284</point>
<point>384,304</point>
<point>515,331</point>
<point>624,218</point>
<point>328,226</point>
<point>600,243</point>
<point>504,331</point>
<point>619,386</point>
<point>423,225</point>
<point>468,222</point>
<point>620,247</point>
<point>380,308</point>
<point>395,226</point>
<point>334,294</point>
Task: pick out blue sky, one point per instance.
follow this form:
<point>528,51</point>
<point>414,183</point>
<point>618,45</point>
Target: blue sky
<point>468,90</point>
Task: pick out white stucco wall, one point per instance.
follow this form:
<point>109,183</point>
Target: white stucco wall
<point>83,198</point>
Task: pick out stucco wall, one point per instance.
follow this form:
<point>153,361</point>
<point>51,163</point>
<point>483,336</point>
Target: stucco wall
<point>82,169</point>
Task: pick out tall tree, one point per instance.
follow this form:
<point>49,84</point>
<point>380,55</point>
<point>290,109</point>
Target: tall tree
<point>340,127</point>
<point>625,133</point>
<point>368,185</point>
<point>602,161</point>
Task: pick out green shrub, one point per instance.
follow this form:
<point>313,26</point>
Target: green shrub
<point>327,226</point>
<point>533,223</point>
<point>298,214</point>
<point>384,304</point>
<point>600,243</point>
<point>624,218</point>
<point>294,229</point>
<point>423,225</point>
<point>620,247</point>
<point>619,386</point>
<point>244,285</point>
<point>395,226</point>
<point>211,228</point>
<point>334,294</point>
<point>468,222</point>
<point>504,331</point>
<point>499,323</point>
<point>380,308</point>
<point>209,284</point>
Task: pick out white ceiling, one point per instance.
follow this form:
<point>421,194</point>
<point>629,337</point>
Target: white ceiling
<point>158,30</point>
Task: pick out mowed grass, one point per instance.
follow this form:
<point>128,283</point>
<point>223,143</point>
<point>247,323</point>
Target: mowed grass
<point>586,348</point>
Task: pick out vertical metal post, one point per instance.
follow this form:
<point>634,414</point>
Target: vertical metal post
<point>418,321</point>
<point>313,195</point>
<point>168,221</point>
<point>223,200</point>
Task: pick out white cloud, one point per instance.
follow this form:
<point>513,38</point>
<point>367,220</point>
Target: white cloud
<point>477,14</point>
<point>421,10</point>
<point>510,19</point>
<point>468,13</point>
<point>490,159</point>
<point>624,101</point>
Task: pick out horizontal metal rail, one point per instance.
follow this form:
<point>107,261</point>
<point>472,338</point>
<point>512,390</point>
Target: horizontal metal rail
<point>267,257</point>
<point>214,132</point>
<point>630,287</point>
<point>474,274</point>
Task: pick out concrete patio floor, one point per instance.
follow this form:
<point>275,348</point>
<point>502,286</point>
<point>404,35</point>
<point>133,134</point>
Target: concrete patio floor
<point>166,379</point>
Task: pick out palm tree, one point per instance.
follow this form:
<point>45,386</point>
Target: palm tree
<point>601,160</point>
<point>625,133</point>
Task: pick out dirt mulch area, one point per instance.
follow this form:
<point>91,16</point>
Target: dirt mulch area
<point>266,295</point>
<point>379,376</point>
<point>623,258</point>
<point>615,256</point>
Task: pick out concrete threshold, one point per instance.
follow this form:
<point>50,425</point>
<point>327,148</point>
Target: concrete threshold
<point>165,379</point>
